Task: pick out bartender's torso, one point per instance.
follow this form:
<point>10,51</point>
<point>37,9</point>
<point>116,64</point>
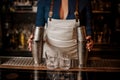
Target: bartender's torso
<point>84,10</point>
<point>44,8</point>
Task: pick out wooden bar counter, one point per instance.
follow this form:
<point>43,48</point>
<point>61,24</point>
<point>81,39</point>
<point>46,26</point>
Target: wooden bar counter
<point>94,65</point>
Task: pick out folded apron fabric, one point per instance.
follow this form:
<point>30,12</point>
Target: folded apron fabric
<point>60,37</point>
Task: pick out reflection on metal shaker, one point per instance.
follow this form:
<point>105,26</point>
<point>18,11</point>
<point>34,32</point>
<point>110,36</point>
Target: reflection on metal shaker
<point>81,41</point>
<point>37,47</point>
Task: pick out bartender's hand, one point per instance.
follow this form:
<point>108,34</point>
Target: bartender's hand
<point>30,40</point>
<point>89,44</point>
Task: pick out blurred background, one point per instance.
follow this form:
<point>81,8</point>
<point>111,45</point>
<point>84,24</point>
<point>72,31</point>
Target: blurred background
<point>17,19</point>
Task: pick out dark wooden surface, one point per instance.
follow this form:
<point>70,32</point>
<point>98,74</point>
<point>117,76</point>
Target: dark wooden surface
<point>94,64</point>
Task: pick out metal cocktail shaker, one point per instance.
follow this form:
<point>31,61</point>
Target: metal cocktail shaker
<point>81,41</point>
<point>37,47</point>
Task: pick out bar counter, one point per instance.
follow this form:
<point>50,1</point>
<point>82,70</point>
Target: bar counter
<point>94,65</point>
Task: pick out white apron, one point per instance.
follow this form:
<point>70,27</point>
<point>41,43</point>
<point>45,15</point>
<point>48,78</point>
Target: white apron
<point>61,37</point>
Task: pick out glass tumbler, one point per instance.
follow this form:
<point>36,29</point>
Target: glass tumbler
<point>51,61</point>
<point>64,62</point>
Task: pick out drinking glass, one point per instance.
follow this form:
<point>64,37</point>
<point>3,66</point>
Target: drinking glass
<point>64,61</point>
<point>51,61</point>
